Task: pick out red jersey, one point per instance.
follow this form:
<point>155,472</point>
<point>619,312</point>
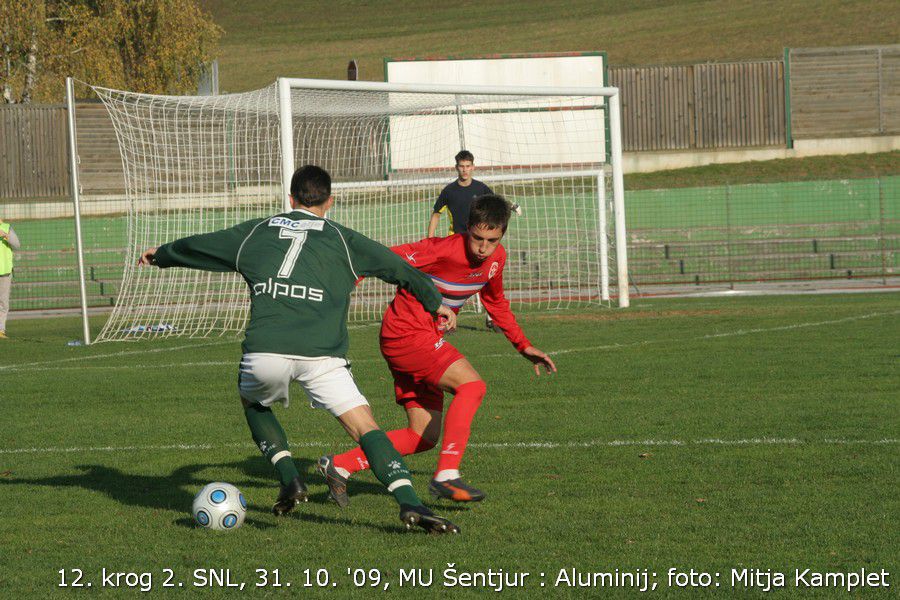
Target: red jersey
<point>446,261</point>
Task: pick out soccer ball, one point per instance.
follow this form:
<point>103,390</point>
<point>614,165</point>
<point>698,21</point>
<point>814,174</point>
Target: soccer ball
<point>219,506</point>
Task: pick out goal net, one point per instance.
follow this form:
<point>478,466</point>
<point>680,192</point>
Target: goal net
<point>198,164</point>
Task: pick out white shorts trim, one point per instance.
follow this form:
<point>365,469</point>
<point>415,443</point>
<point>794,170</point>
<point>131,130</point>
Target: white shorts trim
<point>265,378</point>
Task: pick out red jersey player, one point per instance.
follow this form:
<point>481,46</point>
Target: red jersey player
<point>425,365</point>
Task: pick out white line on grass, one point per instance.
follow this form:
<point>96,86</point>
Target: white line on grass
<point>765,441</point>
<point>32,366</point>
<point>156,368</point>
<point>46,363</point>
<point>738,332</point>
<point>35,366</point>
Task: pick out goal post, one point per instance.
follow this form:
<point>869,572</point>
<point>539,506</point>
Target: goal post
<point>197,164</point>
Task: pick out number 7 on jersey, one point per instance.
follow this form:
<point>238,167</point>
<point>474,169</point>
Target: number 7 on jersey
<point>293,253</point>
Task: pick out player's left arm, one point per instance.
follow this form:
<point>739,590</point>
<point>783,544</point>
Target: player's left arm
<point>419,254</point>
<point>10,238</point>
<point>497,306</point>
<point>371,259</point>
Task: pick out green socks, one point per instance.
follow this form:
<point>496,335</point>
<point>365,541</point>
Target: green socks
<point>271,440</point>
<point>388,466</point>
<point>384,460</point>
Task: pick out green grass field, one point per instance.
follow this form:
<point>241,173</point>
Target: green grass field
<point>298,39</point>
<point>705,434</point>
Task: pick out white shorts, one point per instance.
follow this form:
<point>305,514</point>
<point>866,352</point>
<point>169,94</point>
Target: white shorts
<point>265,378</point>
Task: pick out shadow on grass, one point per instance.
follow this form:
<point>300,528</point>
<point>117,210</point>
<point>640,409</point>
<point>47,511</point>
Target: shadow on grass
<point>168,492</point>
<point>176,491</point>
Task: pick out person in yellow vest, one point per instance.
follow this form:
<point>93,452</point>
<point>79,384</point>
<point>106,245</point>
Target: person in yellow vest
<point>9,242</point>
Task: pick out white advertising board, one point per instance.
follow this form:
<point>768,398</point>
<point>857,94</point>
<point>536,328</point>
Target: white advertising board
<point>546,132</point>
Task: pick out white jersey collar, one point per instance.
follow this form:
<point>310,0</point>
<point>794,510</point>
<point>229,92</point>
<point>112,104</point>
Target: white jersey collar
<point>307,212</point>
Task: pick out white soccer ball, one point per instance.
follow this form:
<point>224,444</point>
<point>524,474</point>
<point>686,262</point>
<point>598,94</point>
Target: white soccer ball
<point>219,506</point>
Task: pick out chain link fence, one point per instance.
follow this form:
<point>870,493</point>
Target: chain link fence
<point>768,232</point>
<point>797,231</point>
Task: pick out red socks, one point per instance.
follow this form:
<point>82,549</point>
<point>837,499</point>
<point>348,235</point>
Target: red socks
<point>458,424</point>
<point>406,441</point>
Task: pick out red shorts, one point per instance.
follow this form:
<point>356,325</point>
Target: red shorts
<point>417,363</point>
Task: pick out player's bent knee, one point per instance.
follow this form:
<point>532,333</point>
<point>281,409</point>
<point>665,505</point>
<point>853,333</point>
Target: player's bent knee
<point>459,373</point>
<point>477,388</point>
<point>358,421</point>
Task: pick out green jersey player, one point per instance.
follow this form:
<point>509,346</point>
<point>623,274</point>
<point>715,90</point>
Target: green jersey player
<point>300,269</point>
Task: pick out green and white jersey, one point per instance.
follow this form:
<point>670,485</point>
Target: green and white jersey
<point>301,270</point>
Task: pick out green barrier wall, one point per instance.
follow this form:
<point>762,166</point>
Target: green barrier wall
<point>760,232</point>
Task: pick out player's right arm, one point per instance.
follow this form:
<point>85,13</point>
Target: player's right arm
<point>439,207</point>
<point>216,251</point>
<point>421,254</point>
<point>433,223</point>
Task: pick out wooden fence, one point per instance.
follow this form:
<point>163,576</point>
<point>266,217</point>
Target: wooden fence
<point>834,92</point>
<point>702,106</point>
<point>33,151</point>
<point>840,92</point>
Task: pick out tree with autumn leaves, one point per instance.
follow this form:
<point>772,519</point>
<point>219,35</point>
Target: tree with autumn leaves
<point>151,46</point>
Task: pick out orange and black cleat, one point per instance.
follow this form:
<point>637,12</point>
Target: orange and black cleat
<point>456,490</point>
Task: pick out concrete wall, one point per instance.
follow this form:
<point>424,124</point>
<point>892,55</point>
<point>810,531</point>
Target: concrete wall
<point>646,162</point>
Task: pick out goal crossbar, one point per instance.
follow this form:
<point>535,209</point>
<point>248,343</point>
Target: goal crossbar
<point>436,88</point>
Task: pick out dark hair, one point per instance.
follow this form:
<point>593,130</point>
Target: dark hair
<point>464,155</point>
<point>311,185</point>
<point>491,210</point>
